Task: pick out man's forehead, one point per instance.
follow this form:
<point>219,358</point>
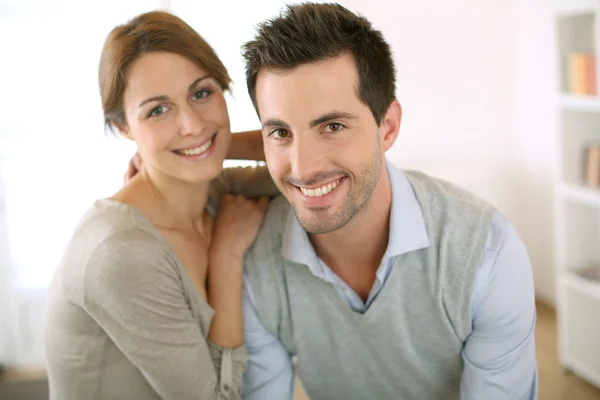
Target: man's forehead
<point>331,69</point>
<point>306,92</point>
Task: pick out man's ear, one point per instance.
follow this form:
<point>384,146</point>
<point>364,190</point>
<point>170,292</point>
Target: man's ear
<point>390,125</point>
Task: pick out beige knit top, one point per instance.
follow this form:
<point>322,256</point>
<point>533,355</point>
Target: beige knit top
<point>124,320</point>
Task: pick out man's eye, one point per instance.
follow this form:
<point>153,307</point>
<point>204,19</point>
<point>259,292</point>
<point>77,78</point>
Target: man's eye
<point>280,134</point>
<point>156,111</point>
<point>201,94</point>
<point>334,127</point>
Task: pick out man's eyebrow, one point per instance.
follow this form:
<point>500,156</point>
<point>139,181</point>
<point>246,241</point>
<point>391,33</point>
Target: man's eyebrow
<point>331,116</point>
<point>276,123</point>
<point>163,98</point>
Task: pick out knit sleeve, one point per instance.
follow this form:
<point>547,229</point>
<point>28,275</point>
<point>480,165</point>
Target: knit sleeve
<point>230,365</point>
<point>134,291</point>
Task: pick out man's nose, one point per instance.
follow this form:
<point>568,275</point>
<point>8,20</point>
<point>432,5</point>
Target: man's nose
<point>305,159</point>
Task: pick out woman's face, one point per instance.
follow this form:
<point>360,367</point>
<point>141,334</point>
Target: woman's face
<point>177,115</point>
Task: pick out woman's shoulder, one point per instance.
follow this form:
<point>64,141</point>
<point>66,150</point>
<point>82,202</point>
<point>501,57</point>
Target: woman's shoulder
<point>120,229</point>
<point>107,215</point>
<point>111,238</point>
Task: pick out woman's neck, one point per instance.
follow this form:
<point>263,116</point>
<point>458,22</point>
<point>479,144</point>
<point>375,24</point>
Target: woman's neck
<point>169,203</point>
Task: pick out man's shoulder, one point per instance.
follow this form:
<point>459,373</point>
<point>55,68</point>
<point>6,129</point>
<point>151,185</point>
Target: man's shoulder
<point>279,203</point>
<point>432,191</point>
<point>276,215</point>
<point>263,263</point>
<point>458,219</point>
<point>269,238</point>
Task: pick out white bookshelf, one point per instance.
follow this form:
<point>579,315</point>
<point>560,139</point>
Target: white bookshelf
<point>577,206</point>
<point>579,102</point>
<point>580,194</point>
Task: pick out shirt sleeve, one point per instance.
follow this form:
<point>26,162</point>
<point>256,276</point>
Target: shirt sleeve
<point>499,354</point>
<point>270,373</point>
<point>133,290</point>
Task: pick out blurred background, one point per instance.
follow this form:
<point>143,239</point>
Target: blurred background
<point>499,96</point>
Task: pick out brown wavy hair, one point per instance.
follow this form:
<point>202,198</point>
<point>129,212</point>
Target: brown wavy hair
<point>155,31</point>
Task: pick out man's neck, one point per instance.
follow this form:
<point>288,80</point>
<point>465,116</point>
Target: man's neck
<point>355,251</point>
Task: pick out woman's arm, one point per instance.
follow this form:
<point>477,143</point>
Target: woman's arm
<point>251,182</point>
<point>234,231</point>
<point>246,146</point>
<point>133,290</point>
<point>247,181</point>
<point>235,228</point>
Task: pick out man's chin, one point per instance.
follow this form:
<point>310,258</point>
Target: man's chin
<point>316,223</point>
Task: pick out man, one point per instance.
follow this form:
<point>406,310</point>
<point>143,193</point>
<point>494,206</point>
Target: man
<point>383,284</point>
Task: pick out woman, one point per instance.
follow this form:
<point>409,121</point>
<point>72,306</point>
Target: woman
<point>146,302</point>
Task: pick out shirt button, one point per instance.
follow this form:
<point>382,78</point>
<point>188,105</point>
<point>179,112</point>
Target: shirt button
<point>226,387</point>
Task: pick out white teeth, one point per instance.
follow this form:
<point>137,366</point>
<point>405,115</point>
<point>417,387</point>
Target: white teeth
<point>320,191</point>
<point>197,150</point>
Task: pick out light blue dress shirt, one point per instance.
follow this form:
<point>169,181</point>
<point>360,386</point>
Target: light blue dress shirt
<point>499,354</point>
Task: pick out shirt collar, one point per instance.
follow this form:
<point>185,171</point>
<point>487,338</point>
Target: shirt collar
<point>407,226</point>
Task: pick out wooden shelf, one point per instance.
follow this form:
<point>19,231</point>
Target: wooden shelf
<point>581,194</point>
<point>580,103</point>
<point>565,8</point>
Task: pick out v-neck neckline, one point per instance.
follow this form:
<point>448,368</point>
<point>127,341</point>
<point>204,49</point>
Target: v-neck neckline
<point>377,303</point>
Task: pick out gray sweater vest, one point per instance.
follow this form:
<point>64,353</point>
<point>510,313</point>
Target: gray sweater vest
<point>408,344</point>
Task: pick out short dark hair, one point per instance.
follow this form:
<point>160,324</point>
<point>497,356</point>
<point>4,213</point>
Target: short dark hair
<point>310,32</point>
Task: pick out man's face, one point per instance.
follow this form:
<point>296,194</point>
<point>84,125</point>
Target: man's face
<point>322,144</point>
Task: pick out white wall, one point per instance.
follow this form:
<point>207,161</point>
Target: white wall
<point>6,328</point>
<point>476,82</point>
<point>54,157</point>
<point>537,136</point>
<point>475,111</point>
<point>455,82</point>
<point>226,25</point>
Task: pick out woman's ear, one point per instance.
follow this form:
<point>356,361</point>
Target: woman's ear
<point>391,125</point>
<point>123,130</point>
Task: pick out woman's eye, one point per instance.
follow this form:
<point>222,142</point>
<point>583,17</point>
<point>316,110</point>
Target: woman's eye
<point>201,94</point>
<point>280,134</point>
<point>334,127</point>
<point>156,111</point>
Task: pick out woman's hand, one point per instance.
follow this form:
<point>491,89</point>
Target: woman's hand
<point>237,224</point>
<point>135,165</point>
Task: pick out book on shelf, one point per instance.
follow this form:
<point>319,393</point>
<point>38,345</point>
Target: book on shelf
<point>591,166</point>
<point>582,73</point>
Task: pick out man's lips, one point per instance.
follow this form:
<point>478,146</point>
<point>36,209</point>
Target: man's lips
<point>322,189</point>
